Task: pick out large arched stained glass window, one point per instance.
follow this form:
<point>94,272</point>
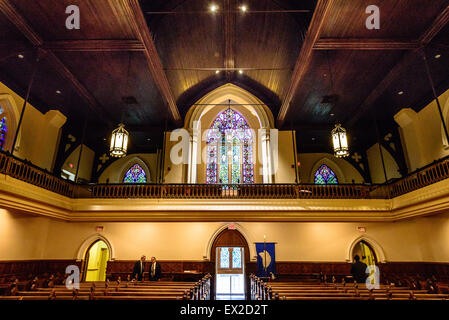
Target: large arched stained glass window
<point>229,150</point>
<point>324,175</point>
<point>3,132</point>
<point>135,174</point>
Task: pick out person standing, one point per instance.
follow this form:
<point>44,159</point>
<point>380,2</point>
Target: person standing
<point>155,270</point>
<point>139,269</point>
<point>358,270</point>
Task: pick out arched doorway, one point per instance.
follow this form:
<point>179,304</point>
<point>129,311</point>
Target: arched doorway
<point>366,253</point>
<point>95,262</point>
<point>230,254</point>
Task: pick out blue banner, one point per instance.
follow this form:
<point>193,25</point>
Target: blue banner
<point>266,262</point>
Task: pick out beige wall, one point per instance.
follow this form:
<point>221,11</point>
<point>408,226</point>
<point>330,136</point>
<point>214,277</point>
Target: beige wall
<point>286,158</point>
<point>310,162</point>
<point>86,162</point>
<point>39,134</point>
<point>421,133</point>
<point>376,167</point>
<point>420,239</point>
<point>115,172</point>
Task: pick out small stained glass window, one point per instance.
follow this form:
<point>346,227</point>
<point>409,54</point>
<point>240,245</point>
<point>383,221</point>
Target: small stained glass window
<point>237,258</point>
<point>224,258</point>
<point>325,175</point>
<point>135,174</point>
<point>3,132</point>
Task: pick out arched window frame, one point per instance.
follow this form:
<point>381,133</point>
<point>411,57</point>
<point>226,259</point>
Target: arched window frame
<point>142,172</point>
<point>332,174</point>
<point>218,141</point>
<point>130,163</point>
<point>331,164</point>
<point>11,113</point>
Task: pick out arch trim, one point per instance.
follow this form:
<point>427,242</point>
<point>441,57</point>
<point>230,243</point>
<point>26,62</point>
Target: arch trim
<point>132,161</point>
<point>374,245</point>
<point>89,241</point>
<point>239,228</point>
<point>331,164</point>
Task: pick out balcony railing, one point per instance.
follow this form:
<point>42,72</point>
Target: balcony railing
<point>29,173</point>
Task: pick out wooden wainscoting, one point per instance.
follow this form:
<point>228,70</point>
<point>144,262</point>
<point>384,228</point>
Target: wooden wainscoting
<point>22,269</point>
<point>176,269</point>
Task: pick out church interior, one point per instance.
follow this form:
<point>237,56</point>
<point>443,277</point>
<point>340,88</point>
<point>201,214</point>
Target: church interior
<point>254,149</point>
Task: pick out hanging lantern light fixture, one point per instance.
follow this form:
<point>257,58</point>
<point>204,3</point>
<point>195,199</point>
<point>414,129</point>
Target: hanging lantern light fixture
<point>340,141</point>
<point>119,142</point>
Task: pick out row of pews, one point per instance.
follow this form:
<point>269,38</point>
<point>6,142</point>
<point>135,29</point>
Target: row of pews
<point>117,290</point>
<point>261,290</point>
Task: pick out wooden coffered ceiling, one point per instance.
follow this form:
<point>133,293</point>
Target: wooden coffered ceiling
<point>165,55</point>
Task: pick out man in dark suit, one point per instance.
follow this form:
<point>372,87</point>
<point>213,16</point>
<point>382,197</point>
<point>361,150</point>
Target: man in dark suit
<point>155,270</point>
<point>139,269</point>
<point>358,270</point>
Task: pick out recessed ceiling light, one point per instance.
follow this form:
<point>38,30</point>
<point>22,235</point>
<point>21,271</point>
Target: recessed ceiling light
<point>313,139</point>
<point>244,8</point>
<point>241,71</point>
<point>58,91</point>
<point>332,114</point>
<point>438,56</point>
<point>148,139</point>
<point>400,93</point>
<point>217,71</point>
<point>213,8</point>
<point>20,56</point>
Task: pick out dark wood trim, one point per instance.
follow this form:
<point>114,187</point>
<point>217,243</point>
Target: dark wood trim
<point>229,20</point>
<point>11,13</point>
<point>141,29</point>
<point>305,56</point>
<point>60,67</point>
<point>105,45</point>
<point>383,85</point>
<point>440,22</point>
<point>408,57</point>
<point>36,40</point>
<point>364,44</point>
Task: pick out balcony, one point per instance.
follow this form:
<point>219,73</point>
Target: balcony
<point>28,188</point>
<point>29,173</point>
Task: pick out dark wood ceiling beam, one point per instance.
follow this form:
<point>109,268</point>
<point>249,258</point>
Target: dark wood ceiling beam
<point>94,45</point>
<point>229,20</point>
<point>386,82</point>
<point>305,56</point>
<point>17,19</point>
<point>36,40</point>
<point>70,77</point>
<point>440,22</point>
<point>406,60</point>
<point>364,44</point>
<point>141,29</point>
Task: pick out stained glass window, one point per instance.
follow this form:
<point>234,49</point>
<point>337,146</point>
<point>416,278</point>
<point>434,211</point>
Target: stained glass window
<point>135,174</point>
<point>229,150</point>
<point>237,258</point>
<point>325,175</point>
<point>3,132</point>
<point>224,258</point>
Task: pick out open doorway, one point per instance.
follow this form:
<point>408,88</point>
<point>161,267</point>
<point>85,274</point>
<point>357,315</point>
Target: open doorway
<point>230,273</point>
<point>230,255</point>
<point>96,259</point>
<point>365,252</point>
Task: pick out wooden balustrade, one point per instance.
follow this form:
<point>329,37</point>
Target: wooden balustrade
<point>21,170</point>
<point>29,173</point>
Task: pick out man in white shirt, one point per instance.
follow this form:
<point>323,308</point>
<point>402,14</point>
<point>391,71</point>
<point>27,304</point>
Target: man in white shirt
<point>155,270</point>
<point>139,269</point>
